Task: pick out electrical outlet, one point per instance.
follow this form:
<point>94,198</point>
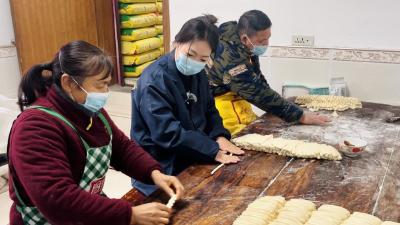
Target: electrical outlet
<point>302,40</point>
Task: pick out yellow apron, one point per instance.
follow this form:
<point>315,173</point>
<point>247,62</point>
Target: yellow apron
<point>235,112</point>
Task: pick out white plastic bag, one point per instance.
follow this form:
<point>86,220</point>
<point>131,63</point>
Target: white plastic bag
<point>338,87</point>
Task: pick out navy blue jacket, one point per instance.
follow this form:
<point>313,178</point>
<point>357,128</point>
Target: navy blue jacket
<point>176,131</point>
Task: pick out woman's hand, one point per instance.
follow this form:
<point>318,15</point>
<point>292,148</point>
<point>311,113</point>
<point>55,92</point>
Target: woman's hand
<point>150,214</point>
<point>226,145</point>
<point>224,158</point>
<point>170,184</point>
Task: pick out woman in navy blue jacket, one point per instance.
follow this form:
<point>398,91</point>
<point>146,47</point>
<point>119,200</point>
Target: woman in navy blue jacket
<point>173,112</point>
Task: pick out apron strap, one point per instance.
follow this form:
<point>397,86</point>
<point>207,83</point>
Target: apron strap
<point>18,196</point>
<point>61,117</point>
<point>106,123</point>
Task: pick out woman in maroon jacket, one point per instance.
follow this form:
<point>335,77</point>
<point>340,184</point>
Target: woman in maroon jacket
<point>63,142</point>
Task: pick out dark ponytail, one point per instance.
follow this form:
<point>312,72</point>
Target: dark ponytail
<point>201,28</point>
<point>33,84</point>
<point>78,59</point>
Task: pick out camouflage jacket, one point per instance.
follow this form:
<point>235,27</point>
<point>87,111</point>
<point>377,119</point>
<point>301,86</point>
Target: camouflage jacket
<point>236,69</point>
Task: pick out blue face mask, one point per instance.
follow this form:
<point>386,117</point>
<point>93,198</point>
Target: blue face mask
<point>94,100</point>
<point>258,49</point>
<point>188,66</point>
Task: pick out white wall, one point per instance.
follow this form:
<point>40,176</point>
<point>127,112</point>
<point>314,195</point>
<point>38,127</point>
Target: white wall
<point>341,23</point>
<point>10,76</point>
<point>9,67</point>
<point>373,82</point>
<point>6,26</point>
<point>352,24</point>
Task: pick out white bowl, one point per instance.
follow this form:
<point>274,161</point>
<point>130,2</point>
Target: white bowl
<point>352,147</point>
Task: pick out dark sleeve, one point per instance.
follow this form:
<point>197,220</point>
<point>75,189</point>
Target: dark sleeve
<point>37,155</point>
<point>254,88</point>
<point>129,158</point>
<point>214,128</point>
<point>166,130</point>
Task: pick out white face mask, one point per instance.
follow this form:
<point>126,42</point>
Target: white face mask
<point>188,66</point>
<point>94,100</point>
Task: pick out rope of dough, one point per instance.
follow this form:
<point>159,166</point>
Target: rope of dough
<point>218,167</point>
<point>171,201</point>
<point>328,102</point>
<point>287,147</point>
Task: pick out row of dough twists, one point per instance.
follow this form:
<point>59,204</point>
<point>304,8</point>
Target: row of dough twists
<point>328,102</point>
<point>287,147</point>
<point>275,210</point>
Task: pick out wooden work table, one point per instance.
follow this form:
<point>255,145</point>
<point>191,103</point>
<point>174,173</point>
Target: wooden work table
<point>370,183</point>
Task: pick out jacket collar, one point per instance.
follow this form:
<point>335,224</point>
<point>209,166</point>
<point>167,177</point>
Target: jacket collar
<point>59,101</point>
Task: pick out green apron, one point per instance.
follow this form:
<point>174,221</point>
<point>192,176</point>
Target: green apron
<point>92,181</point>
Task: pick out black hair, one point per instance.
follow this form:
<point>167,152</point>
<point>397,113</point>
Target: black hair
<point>253,21</point>
<point>78,59</point>
<point>201,28</point>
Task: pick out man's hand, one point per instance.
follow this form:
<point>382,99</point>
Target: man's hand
<point>314,119</point>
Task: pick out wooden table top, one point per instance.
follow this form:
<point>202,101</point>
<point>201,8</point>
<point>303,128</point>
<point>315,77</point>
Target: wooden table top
<point>370,183</point>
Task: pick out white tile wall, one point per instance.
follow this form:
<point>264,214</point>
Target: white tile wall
<point>375,82</point>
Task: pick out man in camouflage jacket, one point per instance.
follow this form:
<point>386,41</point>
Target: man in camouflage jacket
<point>236,72</point>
